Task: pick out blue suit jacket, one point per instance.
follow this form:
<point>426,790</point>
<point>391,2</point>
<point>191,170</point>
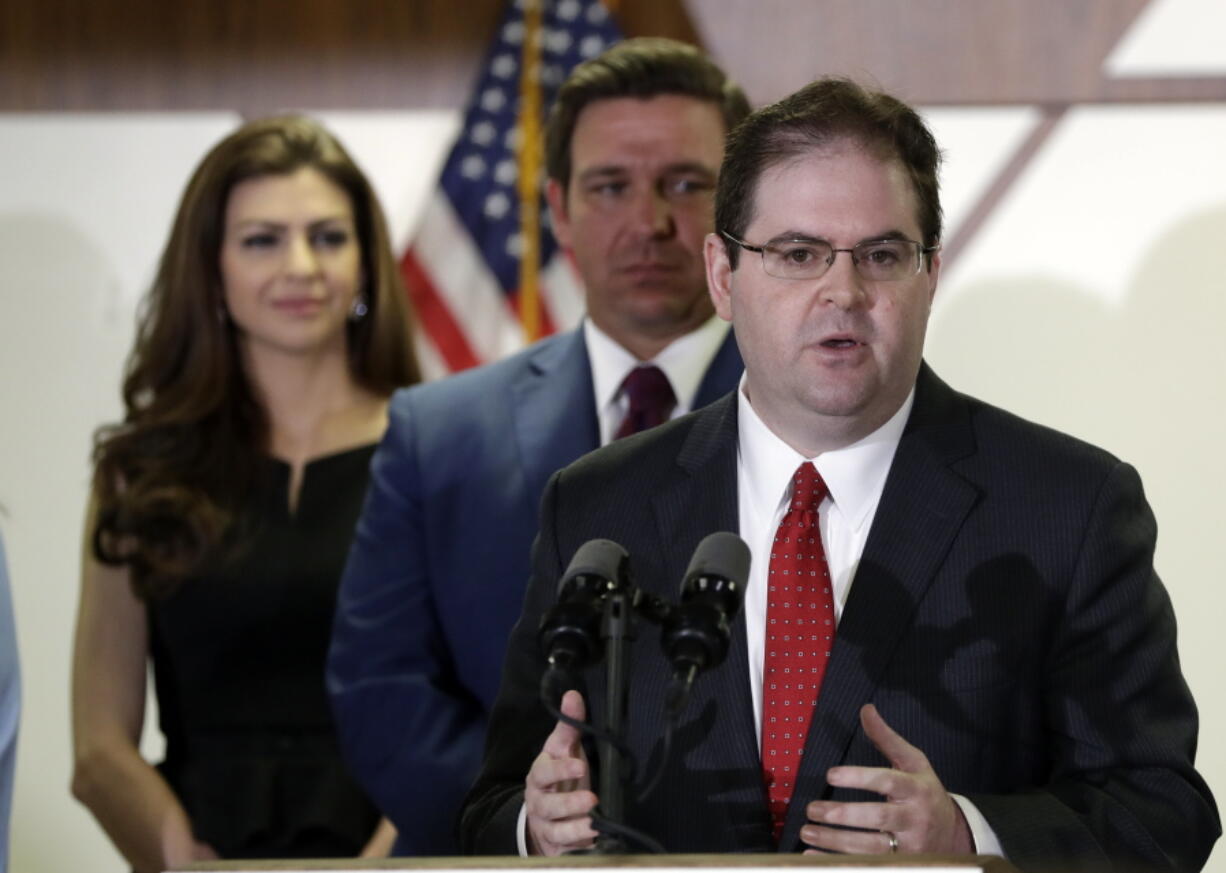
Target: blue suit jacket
<point>10,707</point>
<point>439,564</point>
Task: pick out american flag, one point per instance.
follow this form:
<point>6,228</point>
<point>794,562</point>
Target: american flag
<point>484,273</point>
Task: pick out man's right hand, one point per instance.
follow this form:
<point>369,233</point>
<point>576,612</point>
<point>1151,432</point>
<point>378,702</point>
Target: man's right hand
<point>558,790</point>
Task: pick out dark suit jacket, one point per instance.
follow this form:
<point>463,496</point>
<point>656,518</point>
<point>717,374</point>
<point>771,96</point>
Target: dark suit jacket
<point>440,559</point>
<point>1005,618</point>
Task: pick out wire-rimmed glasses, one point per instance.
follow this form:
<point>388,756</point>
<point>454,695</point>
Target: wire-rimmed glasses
<point>877,260</point>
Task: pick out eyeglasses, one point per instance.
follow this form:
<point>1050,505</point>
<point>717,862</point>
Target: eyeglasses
<point>877,260</point>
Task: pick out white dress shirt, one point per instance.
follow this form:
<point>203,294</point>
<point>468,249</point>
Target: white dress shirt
<point>855,476</point>
<point>684,361</point>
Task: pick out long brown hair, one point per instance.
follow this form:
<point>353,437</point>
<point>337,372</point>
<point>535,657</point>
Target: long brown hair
<point>169,479</point>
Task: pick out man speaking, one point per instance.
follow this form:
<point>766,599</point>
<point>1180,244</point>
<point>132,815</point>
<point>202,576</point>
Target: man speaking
<point>953,638</point>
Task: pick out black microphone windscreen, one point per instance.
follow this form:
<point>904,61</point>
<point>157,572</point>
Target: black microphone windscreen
<point>722,554</point>
<point>602,559</point>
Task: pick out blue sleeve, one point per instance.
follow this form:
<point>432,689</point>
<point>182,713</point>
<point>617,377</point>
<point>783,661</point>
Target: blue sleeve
<point>10,707</point>
<point>409,731</point>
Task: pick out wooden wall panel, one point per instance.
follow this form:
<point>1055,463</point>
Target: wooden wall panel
<point>257,55</point>
<point>250,55</point>
<point>937,51</point>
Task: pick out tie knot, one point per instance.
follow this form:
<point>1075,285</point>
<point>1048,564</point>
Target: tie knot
<point>650,397</point>
<point>808,488</point>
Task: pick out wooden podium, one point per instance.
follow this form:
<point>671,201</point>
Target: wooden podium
<point>659,863</point>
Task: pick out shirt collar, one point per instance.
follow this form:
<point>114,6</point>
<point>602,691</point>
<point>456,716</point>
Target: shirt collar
<point>855,474</point>
<point>684,361</point>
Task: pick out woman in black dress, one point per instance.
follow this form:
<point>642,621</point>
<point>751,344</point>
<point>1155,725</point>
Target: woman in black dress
<point>223,505</point>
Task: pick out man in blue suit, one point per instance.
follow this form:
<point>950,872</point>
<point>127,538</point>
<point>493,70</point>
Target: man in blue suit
<point>440,559</point>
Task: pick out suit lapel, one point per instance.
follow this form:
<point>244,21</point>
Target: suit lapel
<point>699,501</point>
<point>553,410</point>
<point>922,508</point>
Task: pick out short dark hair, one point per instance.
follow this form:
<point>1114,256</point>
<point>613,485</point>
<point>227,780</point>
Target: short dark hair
<point>642,67</point>
<point>821,113</point>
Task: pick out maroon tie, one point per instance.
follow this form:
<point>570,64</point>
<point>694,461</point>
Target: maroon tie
<point>651,400</point>
<point>799,636</point>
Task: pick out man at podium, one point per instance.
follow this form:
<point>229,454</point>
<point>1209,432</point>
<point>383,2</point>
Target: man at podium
<point>952,640</point>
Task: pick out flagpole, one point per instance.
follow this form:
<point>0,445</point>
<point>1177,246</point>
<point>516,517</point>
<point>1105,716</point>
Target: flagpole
<point>477,263</point>
<point>529,154</point>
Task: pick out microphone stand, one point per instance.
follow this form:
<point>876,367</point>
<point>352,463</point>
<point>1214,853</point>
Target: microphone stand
<point>695,638</point>
<point>616,630</point>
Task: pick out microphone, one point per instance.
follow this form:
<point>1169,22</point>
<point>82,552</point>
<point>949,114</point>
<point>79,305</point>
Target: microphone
<point>697,634</point>
<point>569,633</point>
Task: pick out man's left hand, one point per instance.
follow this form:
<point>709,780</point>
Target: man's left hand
<point>918,814</point>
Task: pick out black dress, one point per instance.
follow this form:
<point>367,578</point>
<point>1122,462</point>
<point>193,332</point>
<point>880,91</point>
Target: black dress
<point>238,658</point>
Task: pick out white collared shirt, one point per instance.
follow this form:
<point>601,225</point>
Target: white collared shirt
<point>684,361</point>
<point>854,474</point>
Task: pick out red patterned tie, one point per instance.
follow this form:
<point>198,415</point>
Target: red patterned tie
<point>799,636</point>
<point>651,400</point>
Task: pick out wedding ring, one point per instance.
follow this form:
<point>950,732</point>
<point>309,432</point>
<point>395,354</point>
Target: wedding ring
<point>893,842</point>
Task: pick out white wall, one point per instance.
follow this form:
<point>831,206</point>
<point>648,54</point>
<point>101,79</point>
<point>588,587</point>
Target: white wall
<point>1093,301</point>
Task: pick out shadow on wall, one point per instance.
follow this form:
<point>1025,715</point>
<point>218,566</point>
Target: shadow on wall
<point>1143,377</point>
<point>1022,343</point>
<point>65,327</point>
